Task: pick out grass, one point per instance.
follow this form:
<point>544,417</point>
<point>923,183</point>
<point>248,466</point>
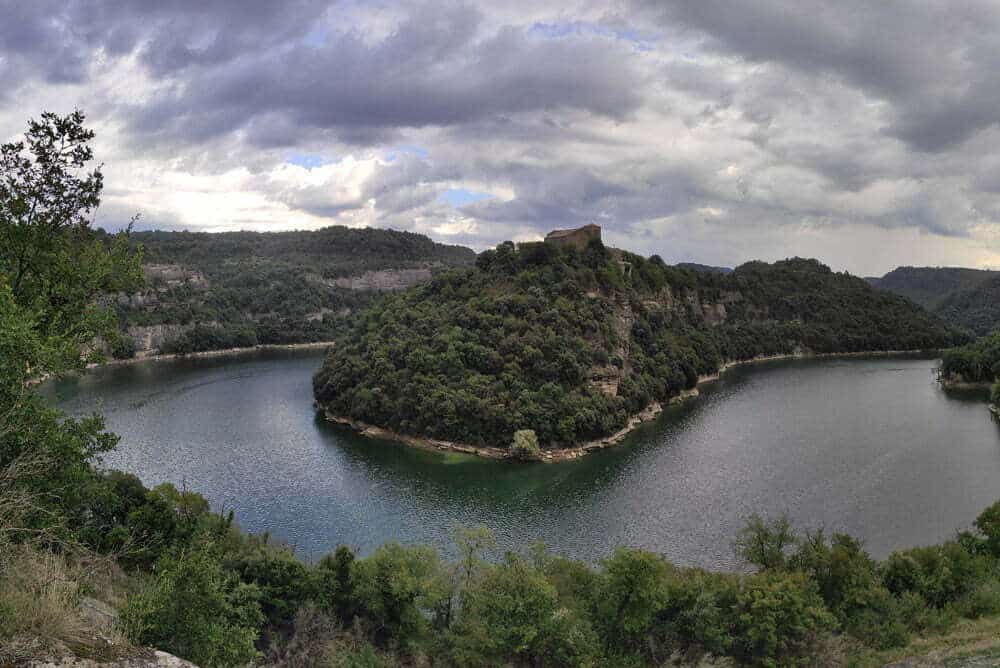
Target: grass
<point>40,609</point>
<point>969,642</point>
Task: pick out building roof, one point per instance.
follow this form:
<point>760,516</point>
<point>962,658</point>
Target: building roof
<point>558,234</point>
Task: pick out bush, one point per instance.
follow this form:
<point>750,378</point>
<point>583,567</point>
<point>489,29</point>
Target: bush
<point>988,524</point>
<point>123,347</point>
<point>284,583</point>
<point>395,589</point>
<point>525,444</point>
<point>780,618</point>
<point>941,574</point>
<point>764,544</point>
<point>877,618</point>
<point>194,609</point>
<point>698,612</point>
<point>982,601</point>
<point>512,613</point>
<point>631,594</point>
<point>844,572</point>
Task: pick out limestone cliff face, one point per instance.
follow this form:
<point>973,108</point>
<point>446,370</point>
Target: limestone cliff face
<point>149,339</point>
<point>687,305</point>
<point>173,275</point>
<point>386,279</point>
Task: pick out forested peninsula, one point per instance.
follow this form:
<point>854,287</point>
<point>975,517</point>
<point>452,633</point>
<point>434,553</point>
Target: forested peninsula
<point>563,345</point>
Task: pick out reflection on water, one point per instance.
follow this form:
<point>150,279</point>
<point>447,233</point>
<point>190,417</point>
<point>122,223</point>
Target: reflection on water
<point>871,447</point>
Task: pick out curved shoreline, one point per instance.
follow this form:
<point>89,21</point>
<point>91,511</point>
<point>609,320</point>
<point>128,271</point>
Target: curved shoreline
<point>224,352</point>
<point>575,452</point>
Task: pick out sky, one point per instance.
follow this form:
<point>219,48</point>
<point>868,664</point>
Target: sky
<point>866,134</point>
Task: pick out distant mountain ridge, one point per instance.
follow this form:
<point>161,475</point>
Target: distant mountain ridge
<point>966,297</point>
<point>695,266</point>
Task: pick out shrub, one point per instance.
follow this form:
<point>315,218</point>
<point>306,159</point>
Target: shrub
<point>876,617</point>
<point>941,574</point>
<point>780,618</point>
<point>843,571</point>
<point>988,524</point>
<point>525,444</point>
<point>193,609</point>
<point>763,543</point>
<point>698,611</point>
<point>982,601</point>
<point>630,595</point>
<point>123,347</point>
<point>395,589</point>
<point>283,581</point>
<point>334,588</point>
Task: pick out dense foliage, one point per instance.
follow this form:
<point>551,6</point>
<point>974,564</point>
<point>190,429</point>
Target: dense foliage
<point>978,309</point>
<point>209,593</point>
<point>969,298</point>
<point>238,289</point>
<point>976,362</point>
<point>569,344</point>
<point>930,286</point>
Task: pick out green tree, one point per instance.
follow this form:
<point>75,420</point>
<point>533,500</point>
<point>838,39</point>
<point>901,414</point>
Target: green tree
<point>988,524</point>
<point>194,609</point>
<point>52,261</point>
<point>630,595</point>
<point>53,271</point>
<point>765,544</point>
<point>395,589</point>
<point>512,613</point>
<point>525,444</point>
<point>780,616</point>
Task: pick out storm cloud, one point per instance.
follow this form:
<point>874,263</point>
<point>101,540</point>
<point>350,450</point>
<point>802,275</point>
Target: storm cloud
<point>866,134</point>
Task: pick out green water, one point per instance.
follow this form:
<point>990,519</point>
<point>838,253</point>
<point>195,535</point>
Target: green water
<point>871,447</point>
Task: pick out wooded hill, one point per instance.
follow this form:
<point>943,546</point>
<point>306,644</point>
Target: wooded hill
<point>570,344</point>
<point>969,298</point>
<point>209,291</point>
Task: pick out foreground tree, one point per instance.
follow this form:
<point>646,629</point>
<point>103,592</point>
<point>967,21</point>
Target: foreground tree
<point>51,259</point>
<point>54,268</point>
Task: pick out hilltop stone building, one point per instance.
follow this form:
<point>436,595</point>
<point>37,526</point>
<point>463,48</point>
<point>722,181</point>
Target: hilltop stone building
<point>577,238</point>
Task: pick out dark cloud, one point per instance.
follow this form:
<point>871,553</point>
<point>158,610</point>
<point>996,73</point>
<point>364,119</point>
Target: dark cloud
<point>431,71</point>
<point>937,64</point>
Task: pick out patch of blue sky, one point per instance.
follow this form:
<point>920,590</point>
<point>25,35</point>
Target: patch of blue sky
<point>317,37</point>
<point>307,160</point>
<point>461,196</point>
<point>642,42</point>
<point>395,151</point>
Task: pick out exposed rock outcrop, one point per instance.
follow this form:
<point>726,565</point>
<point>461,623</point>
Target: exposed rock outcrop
<point>173,275</point>
<point>385,279</point>
<point>144,658</point>
<point>149,339</point>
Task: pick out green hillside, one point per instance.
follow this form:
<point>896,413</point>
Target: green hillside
<point>932,286</point>
<point>209,291</point>
<point>570,344</point>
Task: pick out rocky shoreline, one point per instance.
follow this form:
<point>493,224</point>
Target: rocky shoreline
<point>225,352</point>
<point>575,452</point>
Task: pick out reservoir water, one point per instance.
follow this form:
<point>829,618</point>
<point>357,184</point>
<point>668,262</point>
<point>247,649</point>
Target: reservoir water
<point>871,447</point>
